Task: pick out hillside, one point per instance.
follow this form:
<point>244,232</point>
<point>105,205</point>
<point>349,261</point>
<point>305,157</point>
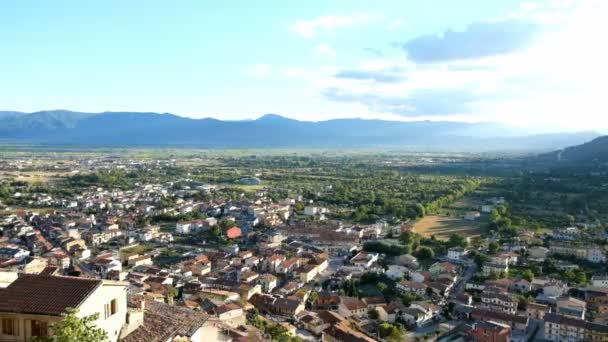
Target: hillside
<point>269,131</point>
<point>594,151</point>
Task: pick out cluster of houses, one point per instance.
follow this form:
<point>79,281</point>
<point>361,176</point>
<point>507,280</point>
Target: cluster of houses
<point>158,281</point>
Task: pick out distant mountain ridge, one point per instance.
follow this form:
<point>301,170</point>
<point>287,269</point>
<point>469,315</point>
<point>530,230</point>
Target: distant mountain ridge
<point>60,127</point>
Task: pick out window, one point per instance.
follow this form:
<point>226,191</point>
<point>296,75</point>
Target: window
<point>113,307</point>
<point>110,308</point>
<point>8,326</point>
<point>39,328</point>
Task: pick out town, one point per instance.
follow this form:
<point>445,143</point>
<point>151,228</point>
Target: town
<point>188,246</point>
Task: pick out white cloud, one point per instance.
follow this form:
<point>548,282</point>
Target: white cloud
<point>309,28</point>
<point>557,81</point>
<point>259,71</point>
<point>324,49</point>
<point>394,25</point>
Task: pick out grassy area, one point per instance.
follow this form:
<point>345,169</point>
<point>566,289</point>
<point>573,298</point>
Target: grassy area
<point>442,227</point>
<point>248,188</point>
<point>139,249</point>
<point>33,176</point>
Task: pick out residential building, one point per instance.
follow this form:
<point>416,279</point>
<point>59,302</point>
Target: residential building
<point>456,253</point>
<point>537,311</point>
<point>32,302</point>
<point>364,260</point>
<point>407,286</point>
<point>563,328</point>
<point>490,332</point>
<point>350,306</point>
<point>600,281</point>
<point>492,298</point>
<point>571,307</point>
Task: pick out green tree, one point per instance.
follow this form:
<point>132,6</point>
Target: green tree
<point>407,238</point>
<point>74,329</point>
<point>390,332</point>
<point>528,275</point>
<point>480,259</point>
<point>493,247</point>
<point>425,253</point>
<point>419,210</point>
<point>407,299</point>
<point>457,240</point>
<point>581,278</point>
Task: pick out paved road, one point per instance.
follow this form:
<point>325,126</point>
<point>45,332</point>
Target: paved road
<point>464,279</point>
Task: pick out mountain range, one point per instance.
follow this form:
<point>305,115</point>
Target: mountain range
<point>61,127</point>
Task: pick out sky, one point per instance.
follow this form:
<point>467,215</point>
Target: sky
<point>525,63</point>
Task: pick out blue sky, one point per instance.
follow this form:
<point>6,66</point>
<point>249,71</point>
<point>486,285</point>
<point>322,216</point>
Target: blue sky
<point>519,62</point>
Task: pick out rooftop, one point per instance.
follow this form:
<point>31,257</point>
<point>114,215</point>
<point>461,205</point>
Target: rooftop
<point>46,295</point>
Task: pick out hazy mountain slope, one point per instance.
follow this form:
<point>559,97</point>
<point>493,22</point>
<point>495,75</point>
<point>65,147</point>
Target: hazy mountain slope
<point>22,125</point>
<point>269,131</point>
<point>595,150</point>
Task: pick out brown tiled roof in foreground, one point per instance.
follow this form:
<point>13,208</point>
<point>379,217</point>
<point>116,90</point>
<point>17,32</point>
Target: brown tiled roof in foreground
<point>162,322</point>
<point>46,295</point>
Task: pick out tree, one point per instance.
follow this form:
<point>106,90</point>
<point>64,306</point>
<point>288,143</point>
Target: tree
<point>457,240</point>
<point>407,238</point>
<point>528,275</point>
<point>74,329</point>
<point>581,278</point>
<point>407,299</point>
<point>480,259</point>
<point>419,210</point>
<point>425,253</point>
<point>493,247</point>
<point>390,332</point>
<point>382,287</point>
<point>570,276</point>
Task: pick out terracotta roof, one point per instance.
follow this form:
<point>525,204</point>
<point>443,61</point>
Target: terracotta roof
<point>331,317</point>
<point>226,308</point>
<point>46,295</point>
<point>489,315</point>
<point>352,303</point>
<point>342,332</point>
<point>162,322</point>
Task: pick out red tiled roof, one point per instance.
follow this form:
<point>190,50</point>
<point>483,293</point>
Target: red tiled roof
<point>46,295</point>
<point>233,233</point>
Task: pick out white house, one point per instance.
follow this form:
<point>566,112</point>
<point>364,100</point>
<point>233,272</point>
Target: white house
<point>600,281</point>
<point>31,303</point>
<point>595,254</point>
<point>396,271</point>
<point>16,253</point>
<point>311,211</point>
<point>456,253</point>
<point>183,227</point>
<point>420,313</point>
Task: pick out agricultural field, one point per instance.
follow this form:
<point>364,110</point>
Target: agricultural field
<point>442,227</point>
<point>33,176</point>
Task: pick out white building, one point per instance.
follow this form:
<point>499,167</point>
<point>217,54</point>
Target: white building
<point>311,211</point>
<point>183,227</point>
<point>600,281</point>
<point>31,303</point>
<point>456,253</point>
<point>396,271</point>
<point>595,254</point>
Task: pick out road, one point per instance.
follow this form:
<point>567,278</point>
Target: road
<point>463,280</point>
